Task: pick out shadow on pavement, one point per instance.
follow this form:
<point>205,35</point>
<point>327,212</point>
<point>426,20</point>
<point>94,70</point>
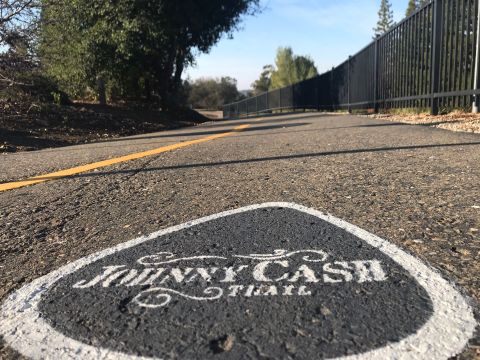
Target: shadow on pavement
<point>265,159</point>
<point>267,120</point>
<point>214,132</point>
<point>106,144</point>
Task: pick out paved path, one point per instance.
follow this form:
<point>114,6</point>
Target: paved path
<point>416,186</point>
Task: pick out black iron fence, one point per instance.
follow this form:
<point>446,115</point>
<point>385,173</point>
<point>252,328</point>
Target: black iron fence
<point>427,61</point>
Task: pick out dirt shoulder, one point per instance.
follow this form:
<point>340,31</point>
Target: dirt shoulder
<point>455,121</point>
<point>211,114</point>
<point>46,126</point>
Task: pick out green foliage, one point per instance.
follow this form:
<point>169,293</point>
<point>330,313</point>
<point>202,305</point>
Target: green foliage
<point>18,19</point>
<point>291,69</point>
<point>385,19</point>
<point>139,47</point>
<point>264,82</point>
<point>414,5</point>
<point>34,87</point>
<point>63,48</point>
<point>211,94</point>
<point>422,3</point>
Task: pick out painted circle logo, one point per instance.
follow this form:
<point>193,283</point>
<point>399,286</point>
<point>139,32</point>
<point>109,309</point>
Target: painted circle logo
<point>273,280</point>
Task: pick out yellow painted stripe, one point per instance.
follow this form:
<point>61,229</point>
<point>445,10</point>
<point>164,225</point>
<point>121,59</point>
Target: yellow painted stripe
<point>100,164</point>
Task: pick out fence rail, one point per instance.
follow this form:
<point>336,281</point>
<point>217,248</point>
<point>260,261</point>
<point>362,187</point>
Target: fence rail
<point>430,60</point>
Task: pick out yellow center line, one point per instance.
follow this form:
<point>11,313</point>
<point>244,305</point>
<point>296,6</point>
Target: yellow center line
<point>100,164</point>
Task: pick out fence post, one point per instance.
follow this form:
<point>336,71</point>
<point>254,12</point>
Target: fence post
<point>267,103</point>
<point>256,105</point>
<point>332,100</point>
<point>436,52</point>
<point>477,65</point>
<point>293,100</point>
<point>280,99</point>
<point>375,79</point>
<point>348,86</point>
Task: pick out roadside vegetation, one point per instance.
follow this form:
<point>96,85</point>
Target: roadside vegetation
<point>288,69</point>
<point>63,61</point>
<point>211,93</point>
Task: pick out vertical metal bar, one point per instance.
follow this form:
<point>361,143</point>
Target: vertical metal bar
<point>473,46</point>
<point>461,62</point>
<point>421,77</point>
<point>267,102</point>
<point>411,55</point>
<point>450,47</point>
<point>428,87</point>
<point>390,65</point>
<point>414,57</point>
<point>332,98</point>
<point>293,95</point>
<point>458,16</point>
<point>280,100</point>
<point>477,64</point>
<point>348,85</point>
<point>387,68</point>
<point>375,78</point>
<point>426,57</point>
<point>401,60</point>
<point>395,39</point>
<point>436,43</point>
<point>467,81</point>
<point>382,72</point>
<point>421,54</point>
<point>417,56</point>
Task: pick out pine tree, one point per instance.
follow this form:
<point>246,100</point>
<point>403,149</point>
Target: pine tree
<point>413,5</point>
<point>385,19</point>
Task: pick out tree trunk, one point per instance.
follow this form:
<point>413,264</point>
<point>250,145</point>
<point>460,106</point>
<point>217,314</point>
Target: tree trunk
<point>102,96</point>
<point>148,91</point>
<point>164,78</point>
<point>177,78</point>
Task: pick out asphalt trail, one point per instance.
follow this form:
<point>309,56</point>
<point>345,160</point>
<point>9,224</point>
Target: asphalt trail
<point>415,186</point>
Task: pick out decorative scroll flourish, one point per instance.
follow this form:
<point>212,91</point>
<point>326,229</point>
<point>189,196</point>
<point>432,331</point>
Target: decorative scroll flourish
<point>158,297</point>
<point>164,258</point>
<point>282,254</point>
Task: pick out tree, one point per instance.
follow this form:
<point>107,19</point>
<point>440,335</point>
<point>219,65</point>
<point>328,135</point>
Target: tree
<point>412,7</point>
<point>291,69</point>
<point>264,81</point>
<point>137,46</point>
<point>210,93</point>
<point>422,3</point>
<point>18,19</point>
<point>385,19</point>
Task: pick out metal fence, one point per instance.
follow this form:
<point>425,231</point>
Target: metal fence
<point>427,61</point>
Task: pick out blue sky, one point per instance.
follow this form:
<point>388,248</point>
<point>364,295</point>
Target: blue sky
<point>327,30</point>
